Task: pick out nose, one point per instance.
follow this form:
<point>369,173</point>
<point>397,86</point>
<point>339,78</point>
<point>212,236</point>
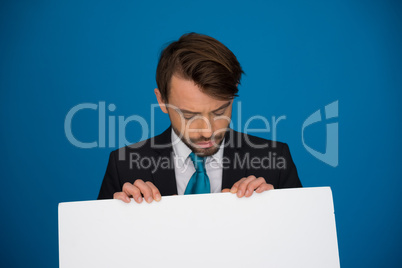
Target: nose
<point>205,127</point>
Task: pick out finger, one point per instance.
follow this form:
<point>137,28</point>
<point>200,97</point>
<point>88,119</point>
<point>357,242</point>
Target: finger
<point>155,192</point>
<point>226,190</point>
<point>264,187</point>
<point>145,190</point>
<point>243,185</point>
<point>131,190</point>
<point>122,196</point>
<point>254,185</point>
<point>236,185</point>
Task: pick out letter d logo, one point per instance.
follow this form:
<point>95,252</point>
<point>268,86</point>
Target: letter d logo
<point>330,156</point>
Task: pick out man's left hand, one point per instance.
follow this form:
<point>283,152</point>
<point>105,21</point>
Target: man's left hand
<point>246,186</point>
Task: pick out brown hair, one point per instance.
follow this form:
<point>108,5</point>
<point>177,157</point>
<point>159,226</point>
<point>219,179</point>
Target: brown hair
<point>202,59</point>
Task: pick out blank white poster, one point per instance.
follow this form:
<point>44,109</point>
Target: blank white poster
<point>278,228</point>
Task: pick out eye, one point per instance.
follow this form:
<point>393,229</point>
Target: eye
<point>188,116</point>
<point>221,112</point>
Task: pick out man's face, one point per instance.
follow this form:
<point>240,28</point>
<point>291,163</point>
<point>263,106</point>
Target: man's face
<point>197,118</point>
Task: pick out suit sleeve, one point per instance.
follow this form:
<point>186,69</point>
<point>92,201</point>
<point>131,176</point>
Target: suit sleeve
<point>111,181</point>
<point>288,177</point>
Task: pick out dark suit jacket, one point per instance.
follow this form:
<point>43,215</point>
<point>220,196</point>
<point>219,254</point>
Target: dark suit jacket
<point>152,160</point>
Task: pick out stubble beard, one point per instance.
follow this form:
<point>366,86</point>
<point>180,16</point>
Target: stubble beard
<point>216,140</point>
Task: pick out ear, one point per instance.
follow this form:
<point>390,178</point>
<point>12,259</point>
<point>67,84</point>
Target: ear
<point>160,100</point>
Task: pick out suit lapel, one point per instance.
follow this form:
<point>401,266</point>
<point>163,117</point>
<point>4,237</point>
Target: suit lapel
<point>164,177</point>
<point>232,151</point>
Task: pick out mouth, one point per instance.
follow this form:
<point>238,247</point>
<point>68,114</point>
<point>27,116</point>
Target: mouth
<point>205,144</point>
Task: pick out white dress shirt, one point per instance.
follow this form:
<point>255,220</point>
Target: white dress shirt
<point>184,167</point>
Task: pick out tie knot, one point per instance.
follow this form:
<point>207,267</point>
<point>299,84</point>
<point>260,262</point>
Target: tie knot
<point>199,162</point>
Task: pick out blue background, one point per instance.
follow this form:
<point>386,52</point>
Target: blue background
<point>298,57</point>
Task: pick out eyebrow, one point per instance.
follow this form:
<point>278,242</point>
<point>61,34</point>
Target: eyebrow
<point>220,108</point>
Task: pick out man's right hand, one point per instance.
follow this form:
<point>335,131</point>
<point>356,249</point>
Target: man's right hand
<point>138,190</point>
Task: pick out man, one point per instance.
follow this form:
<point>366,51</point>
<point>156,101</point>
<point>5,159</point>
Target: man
<point>197,78</point>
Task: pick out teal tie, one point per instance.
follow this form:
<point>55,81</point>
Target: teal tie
<point>199,182</point>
